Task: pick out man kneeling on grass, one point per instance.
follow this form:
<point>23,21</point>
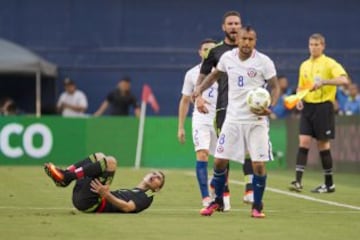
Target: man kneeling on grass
<point>93,177</point>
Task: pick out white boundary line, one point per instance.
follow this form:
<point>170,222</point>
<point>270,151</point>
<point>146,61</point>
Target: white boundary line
<point>36,208</point>
<point>270,189</point>
<point>297,195</point>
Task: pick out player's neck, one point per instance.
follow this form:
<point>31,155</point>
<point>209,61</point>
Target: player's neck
<point>229,41</point>
<point>315,57</point>
<point>243,56</point>
<point>143,186</point>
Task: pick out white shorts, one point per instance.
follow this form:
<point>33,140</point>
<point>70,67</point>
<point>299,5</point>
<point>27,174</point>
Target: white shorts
<point>236,139</point>
<point>204,137</point>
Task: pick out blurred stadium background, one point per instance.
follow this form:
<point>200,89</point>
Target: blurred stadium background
<point>96,42</point>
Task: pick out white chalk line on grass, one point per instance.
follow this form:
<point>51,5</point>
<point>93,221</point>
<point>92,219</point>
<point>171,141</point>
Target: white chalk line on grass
<point>297,195</point>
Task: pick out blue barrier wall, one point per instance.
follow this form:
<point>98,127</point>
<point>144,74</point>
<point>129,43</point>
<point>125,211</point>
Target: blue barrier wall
<point>96,42</point>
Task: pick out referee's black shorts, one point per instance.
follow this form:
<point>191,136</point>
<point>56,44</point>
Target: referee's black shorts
<point>318,120</point>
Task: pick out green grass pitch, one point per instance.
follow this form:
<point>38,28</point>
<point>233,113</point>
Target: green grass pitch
<point>31,207</point>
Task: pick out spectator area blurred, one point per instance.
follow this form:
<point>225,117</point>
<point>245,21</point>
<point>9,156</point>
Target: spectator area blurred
<point>96,42</point>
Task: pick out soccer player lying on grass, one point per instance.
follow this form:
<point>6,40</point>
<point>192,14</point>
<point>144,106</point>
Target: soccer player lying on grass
<point>93,177</point>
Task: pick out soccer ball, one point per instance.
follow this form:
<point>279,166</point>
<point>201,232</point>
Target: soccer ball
<point>258,99</point>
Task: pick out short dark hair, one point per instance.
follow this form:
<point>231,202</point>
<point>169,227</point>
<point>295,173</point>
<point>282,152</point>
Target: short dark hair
<point>207,40</point>
<point>231,13</point>
<point>248,28</point>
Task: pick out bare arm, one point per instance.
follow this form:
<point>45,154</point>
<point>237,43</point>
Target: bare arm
<point>207,82</point>
<point>275,90</point>
<point>341,80</point>
<point>103,191</point>
<point>200,79</point>
<point>102,108</point>
<point>183,111</point>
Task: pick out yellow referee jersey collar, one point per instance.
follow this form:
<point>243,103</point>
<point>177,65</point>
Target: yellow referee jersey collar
<point>322,56</point>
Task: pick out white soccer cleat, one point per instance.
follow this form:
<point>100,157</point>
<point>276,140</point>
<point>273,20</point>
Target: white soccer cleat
<point>248,197</point>
<point>206,201</point>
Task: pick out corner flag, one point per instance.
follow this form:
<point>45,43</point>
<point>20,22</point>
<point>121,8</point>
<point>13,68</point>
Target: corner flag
<point>148,97</point>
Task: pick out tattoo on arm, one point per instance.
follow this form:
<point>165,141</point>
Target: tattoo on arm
<point>275,90</point>
<point>209,80</point>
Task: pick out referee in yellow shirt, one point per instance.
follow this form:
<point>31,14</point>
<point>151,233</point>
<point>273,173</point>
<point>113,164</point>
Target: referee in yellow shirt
<point>321,74</point>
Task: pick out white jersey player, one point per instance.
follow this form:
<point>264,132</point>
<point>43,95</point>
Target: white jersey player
<point>203,131</point>
<point>243,129</point>
<point>243,77</point>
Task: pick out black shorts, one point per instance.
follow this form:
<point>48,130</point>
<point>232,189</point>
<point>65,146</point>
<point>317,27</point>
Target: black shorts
<point>83,198</point>
<point>318,120</point>
<point>219,120</point>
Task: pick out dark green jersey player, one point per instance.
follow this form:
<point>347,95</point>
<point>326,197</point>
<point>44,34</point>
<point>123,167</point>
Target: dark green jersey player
<point>209,63</point>
<point>93,177</point>
<point>141,198</point>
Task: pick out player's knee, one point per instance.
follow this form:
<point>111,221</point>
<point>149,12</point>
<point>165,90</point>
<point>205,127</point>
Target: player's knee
<point>99,155</point>
<point>220,163</point>
<point>111,163</point>
<point>259,168</point>
<point>323,145</point>
<point>305,141</point>
<point>202,155</point>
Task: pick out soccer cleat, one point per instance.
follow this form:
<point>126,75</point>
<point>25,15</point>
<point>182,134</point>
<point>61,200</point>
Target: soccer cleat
<point>248,197</point>
<point>209,210</point>
<point>324,189</point>
<point>257,214</point>
<point>206,201</point>
<point>227,205</point>
<point>56,174</point>
<point>295,186</point>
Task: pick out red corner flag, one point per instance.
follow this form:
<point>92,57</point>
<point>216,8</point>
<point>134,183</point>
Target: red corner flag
<point>148,97</point>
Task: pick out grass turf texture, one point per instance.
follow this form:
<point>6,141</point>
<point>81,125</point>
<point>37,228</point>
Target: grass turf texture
<point>31,207</point>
